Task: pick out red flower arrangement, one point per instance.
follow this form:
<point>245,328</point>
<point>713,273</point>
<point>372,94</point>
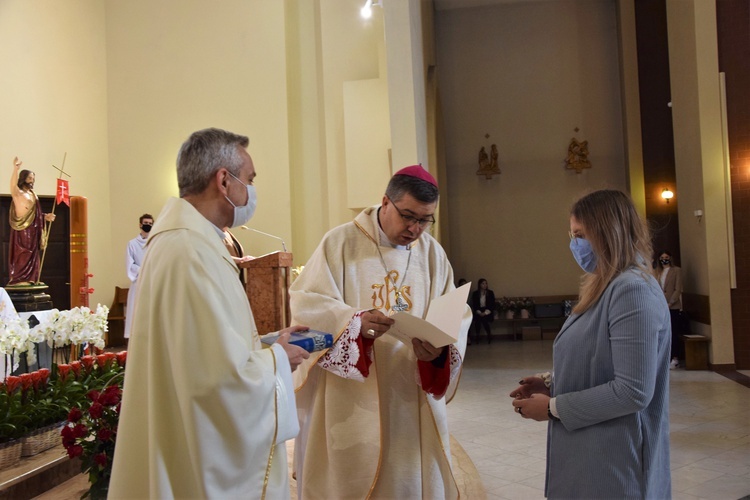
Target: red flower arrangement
<point>26,404</point>
<point>91,428</point>
<point>91,433</point>
<point>86,393</point>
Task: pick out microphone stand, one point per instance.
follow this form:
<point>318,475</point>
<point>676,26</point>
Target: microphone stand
<point>283,245</point>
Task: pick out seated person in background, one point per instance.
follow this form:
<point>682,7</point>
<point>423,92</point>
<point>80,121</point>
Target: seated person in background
<point>483,307</point>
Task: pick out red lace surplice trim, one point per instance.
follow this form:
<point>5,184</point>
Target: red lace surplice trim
<point>345,358</point>
<point>435,381</point>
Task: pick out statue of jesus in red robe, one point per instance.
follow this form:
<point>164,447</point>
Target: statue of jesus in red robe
<point>27,237</point>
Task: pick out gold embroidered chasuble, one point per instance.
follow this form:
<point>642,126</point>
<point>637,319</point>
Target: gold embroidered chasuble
<point>382,437</point>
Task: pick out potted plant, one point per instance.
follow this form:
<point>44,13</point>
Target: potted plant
<point>13,421</point>
<point>66,330</point>
<point>33,406</point>
<point>526,304</point>
<point>91,428</point>
<point>16,341</point>
<point>507,307</point>
<point>44,407</point>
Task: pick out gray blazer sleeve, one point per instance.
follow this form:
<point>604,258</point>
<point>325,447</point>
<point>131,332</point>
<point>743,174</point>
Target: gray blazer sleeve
<point>634,312</point>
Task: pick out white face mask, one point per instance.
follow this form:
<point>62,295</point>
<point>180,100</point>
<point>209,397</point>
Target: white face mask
<point>244,213</point>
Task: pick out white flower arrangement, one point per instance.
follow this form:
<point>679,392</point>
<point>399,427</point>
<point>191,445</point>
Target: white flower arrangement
<point>15,340</point>
<point>76,326</point>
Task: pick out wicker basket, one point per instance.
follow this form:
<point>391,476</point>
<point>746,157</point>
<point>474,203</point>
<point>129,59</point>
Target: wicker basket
<point>41,439</point>
<point>10,453</point>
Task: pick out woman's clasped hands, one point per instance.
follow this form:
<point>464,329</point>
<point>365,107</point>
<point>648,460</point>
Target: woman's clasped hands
<point>531,398</point>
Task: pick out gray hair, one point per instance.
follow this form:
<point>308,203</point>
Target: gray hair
<point>205,152</point>
<point>419,189</point>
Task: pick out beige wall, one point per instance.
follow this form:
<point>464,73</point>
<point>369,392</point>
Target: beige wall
<point>367,134</point>
<point>53,100</point>
<point>406,90</point>
<point>176,66</point>
<point>349,52</point>
<point>527,74</point>
<point>307,152</point>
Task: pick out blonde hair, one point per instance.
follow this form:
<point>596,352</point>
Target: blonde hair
<point>619,237</point>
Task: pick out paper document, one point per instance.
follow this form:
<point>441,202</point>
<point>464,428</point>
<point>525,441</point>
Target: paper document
<point>442,324</point>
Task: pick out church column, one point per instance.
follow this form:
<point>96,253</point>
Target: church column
<point>699,158</point>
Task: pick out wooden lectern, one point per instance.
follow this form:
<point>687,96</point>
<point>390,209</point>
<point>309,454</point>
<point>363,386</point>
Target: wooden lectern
<point>268,279</point>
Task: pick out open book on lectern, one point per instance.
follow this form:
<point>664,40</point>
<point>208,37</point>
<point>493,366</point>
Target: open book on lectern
<point>442,324</point>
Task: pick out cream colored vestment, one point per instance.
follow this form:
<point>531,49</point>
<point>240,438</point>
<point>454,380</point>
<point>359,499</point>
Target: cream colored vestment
<point>383,437</point>
<point>199,412</point>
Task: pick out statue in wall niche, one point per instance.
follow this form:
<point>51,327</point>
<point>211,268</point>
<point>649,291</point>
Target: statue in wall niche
<point>578,156</point>
<point>488,165</point>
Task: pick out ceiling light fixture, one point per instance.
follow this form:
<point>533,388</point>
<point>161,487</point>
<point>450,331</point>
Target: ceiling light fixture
<point>366,11</point>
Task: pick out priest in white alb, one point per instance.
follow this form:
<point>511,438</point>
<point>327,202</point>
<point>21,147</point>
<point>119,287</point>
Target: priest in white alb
<point>204,412</point>
<point>372,409</point>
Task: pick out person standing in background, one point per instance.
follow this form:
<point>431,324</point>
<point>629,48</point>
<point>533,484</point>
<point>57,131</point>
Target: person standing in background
<point>133,260</point>
<point>670,279</point>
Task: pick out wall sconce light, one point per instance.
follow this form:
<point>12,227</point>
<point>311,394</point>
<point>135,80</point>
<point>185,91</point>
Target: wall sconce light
<point>667,194</point>
<point>366,11</point>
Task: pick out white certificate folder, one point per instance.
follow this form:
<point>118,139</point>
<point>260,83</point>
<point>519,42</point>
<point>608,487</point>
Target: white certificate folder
<point>442,324</point>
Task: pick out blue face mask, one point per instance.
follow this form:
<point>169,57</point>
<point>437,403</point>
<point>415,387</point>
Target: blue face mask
<point>584,254</point>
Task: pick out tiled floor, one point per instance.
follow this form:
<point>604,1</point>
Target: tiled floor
<point>709,420</point>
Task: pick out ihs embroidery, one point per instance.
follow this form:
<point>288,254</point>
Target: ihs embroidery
<point>381,297</point>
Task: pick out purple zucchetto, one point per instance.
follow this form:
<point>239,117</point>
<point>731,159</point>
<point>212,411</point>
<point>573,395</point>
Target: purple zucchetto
<point>419,172</point>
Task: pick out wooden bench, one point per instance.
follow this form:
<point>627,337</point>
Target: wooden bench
<point>116,318</point>
<point>543,324</point>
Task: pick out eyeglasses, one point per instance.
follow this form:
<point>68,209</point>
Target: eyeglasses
<point>575,236</point>
<point>410,220</point>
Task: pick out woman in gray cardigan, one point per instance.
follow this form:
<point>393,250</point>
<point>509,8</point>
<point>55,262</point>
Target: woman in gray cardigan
<point>607,399</point>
